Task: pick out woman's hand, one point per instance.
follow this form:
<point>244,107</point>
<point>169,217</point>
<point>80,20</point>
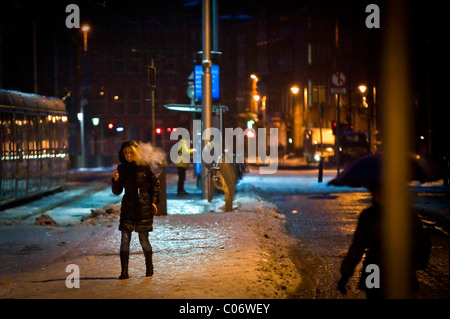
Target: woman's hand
<point>116,176</point>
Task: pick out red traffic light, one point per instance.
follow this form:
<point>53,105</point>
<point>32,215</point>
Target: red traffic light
<point>158,130</point>
<point>251,134</point>
<point>110,126</point>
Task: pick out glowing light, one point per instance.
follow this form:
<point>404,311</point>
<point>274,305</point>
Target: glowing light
<point>362,88</point>
<point>95,121</point>
<point>251,134</point>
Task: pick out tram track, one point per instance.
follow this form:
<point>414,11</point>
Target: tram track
<point>52,201</point>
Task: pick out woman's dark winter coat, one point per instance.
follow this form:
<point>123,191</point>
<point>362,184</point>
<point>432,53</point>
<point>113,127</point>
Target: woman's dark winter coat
<point>141,191</point>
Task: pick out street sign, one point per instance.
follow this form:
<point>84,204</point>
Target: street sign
<point>338,90</point>
<point>338,83</point>
<point>198,73</point>
<point>338,79</point>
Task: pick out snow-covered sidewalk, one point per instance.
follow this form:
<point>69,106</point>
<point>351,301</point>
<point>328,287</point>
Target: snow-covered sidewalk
<point>213,254</point>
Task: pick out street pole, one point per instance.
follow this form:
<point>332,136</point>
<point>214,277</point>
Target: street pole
<point>338,135</point>
<point>152,84</point>
<point>215,25</point>
<point>84,98</point>
<point>320,177</point>
<point>338,116</point>
<point>206,91</point>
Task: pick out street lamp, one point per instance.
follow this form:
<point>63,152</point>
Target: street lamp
<point>362,88</point>
<point>85,28</point>
<point>255,92</point>
<point>295,89</point>
<point>83,97</point>
<point>295,111</point>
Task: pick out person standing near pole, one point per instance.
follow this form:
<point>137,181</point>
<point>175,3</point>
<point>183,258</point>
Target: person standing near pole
<point>182,164</point>
<point>138,203</point>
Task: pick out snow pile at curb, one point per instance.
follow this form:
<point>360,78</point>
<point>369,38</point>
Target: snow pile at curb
<point>105,216</point>
<point>278,274</point>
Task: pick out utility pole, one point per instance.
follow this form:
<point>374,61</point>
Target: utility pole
<point>152,83</point>
<point>338,115</point>
<point>215,25</point>
<point>206,91</point>
<point>84,99</point>
<point>35,79</point>
<point>338,134</point>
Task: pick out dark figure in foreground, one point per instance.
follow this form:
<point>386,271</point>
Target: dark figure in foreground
<point>138,203</point>
<point>368,239</point>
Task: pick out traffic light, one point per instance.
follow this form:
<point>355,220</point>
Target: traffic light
<point>334,127</point>
<point>110,130</point>
<point>158,130</point>
<point>251,133</point>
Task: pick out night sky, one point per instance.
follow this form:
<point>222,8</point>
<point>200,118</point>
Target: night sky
<point>427,23</point>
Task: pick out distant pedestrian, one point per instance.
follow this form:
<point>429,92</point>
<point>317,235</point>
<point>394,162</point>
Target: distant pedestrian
<point>138,203</point>
<point>182,164</point>
<point>368,240</point>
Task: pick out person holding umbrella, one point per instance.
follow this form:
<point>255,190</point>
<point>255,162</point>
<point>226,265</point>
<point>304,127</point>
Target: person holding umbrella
<point>368,236</point>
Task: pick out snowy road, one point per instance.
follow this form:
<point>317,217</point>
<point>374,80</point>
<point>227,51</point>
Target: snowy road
<point>257,251</point>
<point>323,219</point>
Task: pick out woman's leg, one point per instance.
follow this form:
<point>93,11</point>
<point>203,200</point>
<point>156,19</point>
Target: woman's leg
<point>125,253</point>
<point>125,241</point>
<point>147,248</point>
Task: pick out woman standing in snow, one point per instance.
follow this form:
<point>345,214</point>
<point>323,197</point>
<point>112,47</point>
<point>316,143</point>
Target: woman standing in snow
<point>138,203</point>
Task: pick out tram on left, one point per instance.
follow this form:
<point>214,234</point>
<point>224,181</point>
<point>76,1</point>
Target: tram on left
<point>34,145</point>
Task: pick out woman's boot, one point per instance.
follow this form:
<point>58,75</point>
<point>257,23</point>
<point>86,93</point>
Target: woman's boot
<point>148,263</point>
<point>124,256</point>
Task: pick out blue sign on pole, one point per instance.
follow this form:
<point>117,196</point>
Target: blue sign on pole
<point>198,73</point>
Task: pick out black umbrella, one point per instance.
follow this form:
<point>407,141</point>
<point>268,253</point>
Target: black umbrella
<point>366,171</point>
